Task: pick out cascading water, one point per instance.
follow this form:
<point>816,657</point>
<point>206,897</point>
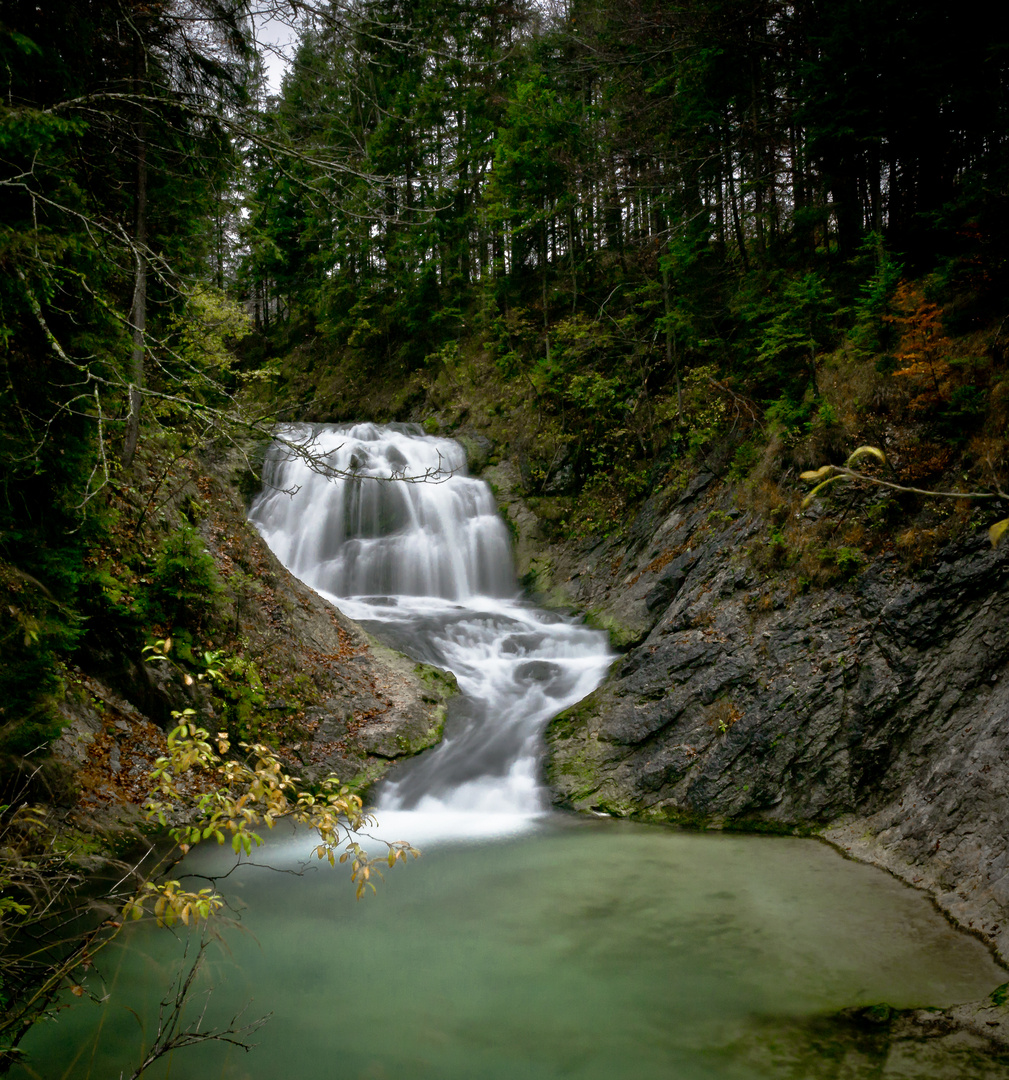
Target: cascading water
<point>589,949</point>
<point>401,539</point>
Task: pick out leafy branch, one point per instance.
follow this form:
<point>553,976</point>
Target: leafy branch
<point>827,475</point>
<point>249,794</point>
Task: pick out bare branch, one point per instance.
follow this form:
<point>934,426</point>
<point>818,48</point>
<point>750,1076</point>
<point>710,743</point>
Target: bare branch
<point>853,474</point>
<point>171,1036</point>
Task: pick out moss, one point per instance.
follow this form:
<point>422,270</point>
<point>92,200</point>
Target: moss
<point>538,579</point>
<point>877,1014</point>
<point>999,995</point>
<point>80,845</point>
<point>771,826</point>
<point>577,776</point>
<point>621,637</point>
<point>429,737</point>
<point>667,814</point>
<point>574,765</point>
<point>510,525</point>
<point>565,723</point>
<point>477,453</point>
<point>591,794</point>
<point>444,683</point>
<point>617,808</point>
<point>365,778</point>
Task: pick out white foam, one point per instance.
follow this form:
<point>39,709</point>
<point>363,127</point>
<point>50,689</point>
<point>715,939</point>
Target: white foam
<point>431,563</point>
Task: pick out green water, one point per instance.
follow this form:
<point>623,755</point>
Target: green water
<point>587,950</point>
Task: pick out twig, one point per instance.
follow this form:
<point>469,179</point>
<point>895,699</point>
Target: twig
<point>170,1036</point>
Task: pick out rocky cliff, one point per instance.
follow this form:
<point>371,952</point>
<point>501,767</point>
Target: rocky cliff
<point>874,713</point>
<point>301,676</point>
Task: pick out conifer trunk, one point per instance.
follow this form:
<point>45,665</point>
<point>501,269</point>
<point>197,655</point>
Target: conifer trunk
<point>138,310</point>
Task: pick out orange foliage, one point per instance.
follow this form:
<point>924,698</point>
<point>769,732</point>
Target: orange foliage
<point>923,352</point>
<point>924,462</point>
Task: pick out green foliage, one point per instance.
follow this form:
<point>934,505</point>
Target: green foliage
<point>884,514</point>
<point>799,328</point>
<point>241,688</point>
<point>185,587</point>
<point>35,631</point>
<point>847,560</point>
<point>775,552</point>
<point>72,135</point>
<point>580,369</point>
<point>872,330</point>
<point>529,181</point>
<point>744,459</point>
<point>704,414</point>
<point>960,417</point>
<point>786,416</point>
<point>199,359</point>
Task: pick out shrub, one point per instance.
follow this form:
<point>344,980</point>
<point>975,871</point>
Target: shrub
<point>184,586</point>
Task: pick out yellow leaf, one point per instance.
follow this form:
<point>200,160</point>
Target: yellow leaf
<point>819,487</point>
<point>817,474</point>
<point>997,531</point>
<point>873,451</point>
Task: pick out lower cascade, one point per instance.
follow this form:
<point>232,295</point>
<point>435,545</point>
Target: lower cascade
<point>397,535</point>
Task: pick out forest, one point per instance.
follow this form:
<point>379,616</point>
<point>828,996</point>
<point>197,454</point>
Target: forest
<point>634,238</point>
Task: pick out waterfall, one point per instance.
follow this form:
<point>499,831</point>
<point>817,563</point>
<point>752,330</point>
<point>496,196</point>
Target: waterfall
<point>359,531</point>
<point>400,538</point>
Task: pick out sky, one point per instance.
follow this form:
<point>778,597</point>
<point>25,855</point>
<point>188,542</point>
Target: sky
<point>276,38</point>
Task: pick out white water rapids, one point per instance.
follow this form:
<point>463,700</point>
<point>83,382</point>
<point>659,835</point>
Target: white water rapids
<point>410,545</point>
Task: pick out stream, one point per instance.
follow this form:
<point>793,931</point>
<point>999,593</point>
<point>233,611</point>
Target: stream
<point>526,943</point>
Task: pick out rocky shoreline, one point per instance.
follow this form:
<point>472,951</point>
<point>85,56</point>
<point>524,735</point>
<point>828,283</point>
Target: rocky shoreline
<point>873,714</point>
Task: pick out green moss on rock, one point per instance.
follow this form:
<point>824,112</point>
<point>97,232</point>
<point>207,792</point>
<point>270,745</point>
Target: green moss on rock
<point>621,637</point>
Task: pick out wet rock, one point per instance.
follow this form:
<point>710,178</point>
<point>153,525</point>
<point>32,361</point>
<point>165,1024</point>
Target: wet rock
<point>478,450</point>
<point>877,713</point>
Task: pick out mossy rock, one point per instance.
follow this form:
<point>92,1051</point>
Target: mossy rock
<point>478,451</point>
<point>622,637</point>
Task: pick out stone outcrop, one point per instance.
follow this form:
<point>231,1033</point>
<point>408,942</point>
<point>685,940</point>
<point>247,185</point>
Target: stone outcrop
<point>316,685</point>
<point>875,713</point>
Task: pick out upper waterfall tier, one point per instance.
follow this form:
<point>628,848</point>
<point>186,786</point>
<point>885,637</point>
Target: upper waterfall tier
<point>402,517</point>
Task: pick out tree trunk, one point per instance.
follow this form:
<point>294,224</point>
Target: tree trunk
<point>138,312</point>
<point>672,358</point>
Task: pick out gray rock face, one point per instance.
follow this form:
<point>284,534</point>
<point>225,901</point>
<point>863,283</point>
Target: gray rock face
<point>876,713</point>
<point>343,703</point>
<point>373,704</point>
